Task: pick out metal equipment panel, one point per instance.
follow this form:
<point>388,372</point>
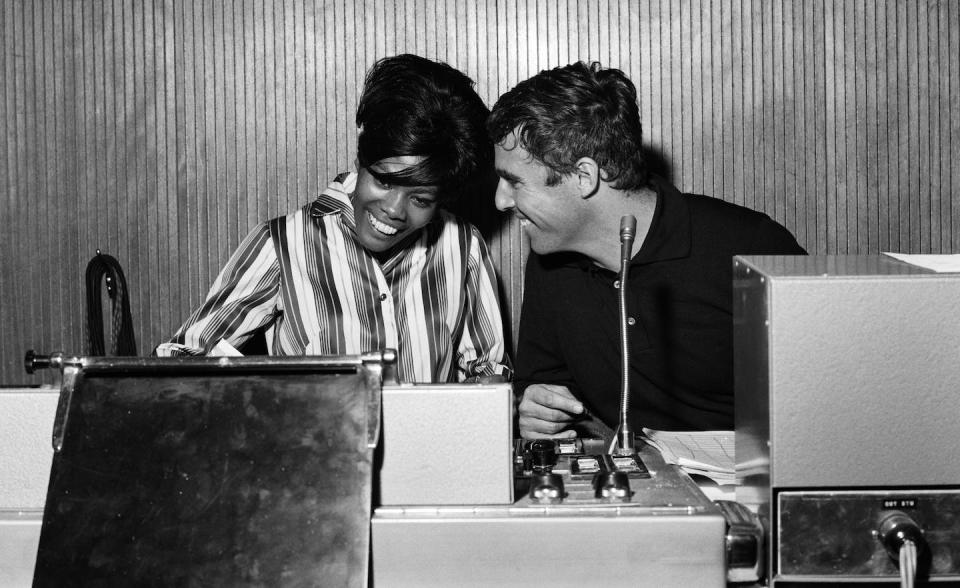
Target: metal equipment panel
<point>446,444</point>
<point>239,471</point>
<point>847,376</point>
<point>668,534</point>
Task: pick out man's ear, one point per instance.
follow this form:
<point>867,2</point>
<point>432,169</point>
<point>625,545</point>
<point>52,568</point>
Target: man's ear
<point>588,176</point>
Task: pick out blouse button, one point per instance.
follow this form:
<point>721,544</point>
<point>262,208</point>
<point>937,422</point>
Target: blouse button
<point>382,297</point>
<point>631,321</point>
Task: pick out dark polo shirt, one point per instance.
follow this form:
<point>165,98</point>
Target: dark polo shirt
<point>680,295</point>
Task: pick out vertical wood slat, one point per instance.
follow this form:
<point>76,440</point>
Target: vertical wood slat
<point>161,132</point>
<point>950,122</point>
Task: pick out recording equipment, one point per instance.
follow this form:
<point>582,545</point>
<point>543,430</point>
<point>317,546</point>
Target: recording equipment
<point>581,517</point>
<point>201,471</point>
<point>446,444</point>
<point>261,459</point>
<point>464,504</point>
<point>623,443</point>
<point>847,371</point>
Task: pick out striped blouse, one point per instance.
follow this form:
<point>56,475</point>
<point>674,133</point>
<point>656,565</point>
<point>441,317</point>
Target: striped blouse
<point>319,292</point>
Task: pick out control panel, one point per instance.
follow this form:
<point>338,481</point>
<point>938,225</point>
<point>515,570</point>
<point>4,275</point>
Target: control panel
<point>859,534</point>
<point>575,472</point>
<point>577,475</point>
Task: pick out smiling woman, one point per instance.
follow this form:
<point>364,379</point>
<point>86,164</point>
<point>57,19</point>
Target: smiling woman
<point>375,261</point>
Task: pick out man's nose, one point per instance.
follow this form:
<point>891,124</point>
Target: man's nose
<point>503,199</point>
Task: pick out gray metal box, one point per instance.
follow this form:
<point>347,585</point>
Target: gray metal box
<point>446,444</point>
<point>847,373</point>
<point>26,424</point>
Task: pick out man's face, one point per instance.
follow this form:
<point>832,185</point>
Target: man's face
<point>550,215</point>
<point>387,214</point>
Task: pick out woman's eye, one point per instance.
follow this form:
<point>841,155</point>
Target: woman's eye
<point>423,202</point>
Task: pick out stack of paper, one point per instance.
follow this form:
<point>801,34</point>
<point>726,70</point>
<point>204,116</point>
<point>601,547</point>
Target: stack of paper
<point>938,262</point>
<point>701,453</point>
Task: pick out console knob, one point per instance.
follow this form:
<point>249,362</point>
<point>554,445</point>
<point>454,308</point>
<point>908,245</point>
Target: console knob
<point>546,488</point>
<point>612,486</point>
<point>544,454</point>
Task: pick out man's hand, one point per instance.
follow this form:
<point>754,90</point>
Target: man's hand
<point>546,410</point>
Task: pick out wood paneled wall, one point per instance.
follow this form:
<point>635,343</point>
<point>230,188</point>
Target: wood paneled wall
<point>161,131</point>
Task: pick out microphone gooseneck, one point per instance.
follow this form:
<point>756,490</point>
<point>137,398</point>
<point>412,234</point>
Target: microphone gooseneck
<point>624,440</point>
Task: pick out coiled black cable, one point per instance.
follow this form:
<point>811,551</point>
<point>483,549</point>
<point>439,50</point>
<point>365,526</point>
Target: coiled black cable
<point>124,342</point>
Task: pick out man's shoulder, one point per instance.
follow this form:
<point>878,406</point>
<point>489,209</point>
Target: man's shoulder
<point>707,211</point>
<point>718,224</point>
<point>703,211</point>
<point>717,221</point>
<point>717,209</point>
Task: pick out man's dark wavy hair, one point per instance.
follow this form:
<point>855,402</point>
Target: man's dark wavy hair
<point>575,111</point>
<point>415,106</point>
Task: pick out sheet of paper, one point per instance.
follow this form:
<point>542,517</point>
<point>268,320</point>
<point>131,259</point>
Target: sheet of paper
<point>224,349</point>
<point>705,453</point>
<point>941,263</point>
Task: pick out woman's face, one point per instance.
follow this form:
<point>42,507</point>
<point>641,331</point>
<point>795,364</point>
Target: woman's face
<point>387,214</point>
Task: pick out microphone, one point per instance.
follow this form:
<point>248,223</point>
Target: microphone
<point>623,443</point>
<point>628,230</point>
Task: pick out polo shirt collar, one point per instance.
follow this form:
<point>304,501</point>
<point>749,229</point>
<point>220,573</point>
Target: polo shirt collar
<point>669,235</point>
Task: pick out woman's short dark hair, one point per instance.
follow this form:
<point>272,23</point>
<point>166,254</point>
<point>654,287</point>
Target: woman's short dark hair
<point>575,111</point>
<point>415,106</point>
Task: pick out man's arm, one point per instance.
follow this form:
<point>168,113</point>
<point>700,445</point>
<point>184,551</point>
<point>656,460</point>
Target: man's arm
<point>548,404</point>
<point>241,300</point>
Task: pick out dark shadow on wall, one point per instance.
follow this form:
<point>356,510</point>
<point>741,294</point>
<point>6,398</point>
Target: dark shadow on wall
<point>658,163</point>
<point>477,206</point>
